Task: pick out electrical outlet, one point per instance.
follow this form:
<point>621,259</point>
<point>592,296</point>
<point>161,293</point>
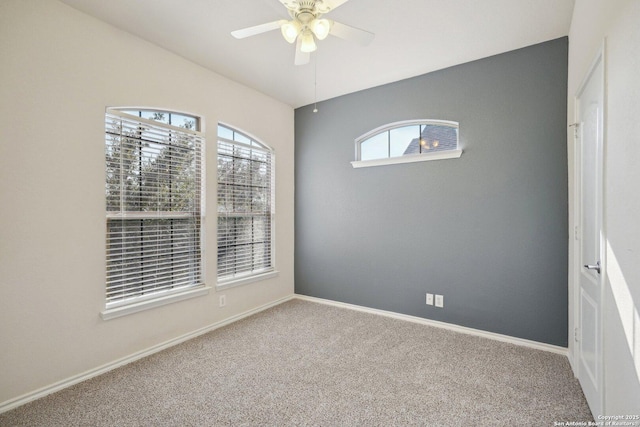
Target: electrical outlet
<point>429,299</point>
<point>223,300</point>
<point>439,301</point>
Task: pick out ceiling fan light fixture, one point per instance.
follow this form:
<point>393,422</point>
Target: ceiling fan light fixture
<point>308,43</point>
<point>321,28</point>
<point>306,25</point>
<point>290,31</point>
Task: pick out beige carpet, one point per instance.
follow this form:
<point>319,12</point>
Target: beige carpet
<point>304,363</point>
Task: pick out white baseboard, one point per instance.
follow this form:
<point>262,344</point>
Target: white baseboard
<point>52,388</point>
<point>456,328</point>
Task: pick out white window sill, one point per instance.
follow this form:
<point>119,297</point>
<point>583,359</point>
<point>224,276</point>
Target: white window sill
<point>231,283</point>
<point>412,158</point>
<point>112,313</point>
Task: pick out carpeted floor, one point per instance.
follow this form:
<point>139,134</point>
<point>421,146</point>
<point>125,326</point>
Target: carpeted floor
<point>303,363</point>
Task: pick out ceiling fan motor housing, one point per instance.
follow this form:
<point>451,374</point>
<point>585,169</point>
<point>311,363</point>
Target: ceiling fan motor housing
<point>304,4</point>
<point>305,11</point>
<point>312,7</point>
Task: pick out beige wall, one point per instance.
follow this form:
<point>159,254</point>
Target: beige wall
<point>616,23</point>
<point>59,69</point>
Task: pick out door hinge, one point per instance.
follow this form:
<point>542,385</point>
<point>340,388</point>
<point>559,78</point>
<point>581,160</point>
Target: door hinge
<point>576,335</point>
<point>576,233</point>
<point>575,127</point>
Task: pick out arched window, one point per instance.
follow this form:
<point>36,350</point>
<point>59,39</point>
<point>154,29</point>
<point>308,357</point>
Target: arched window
<point>154,210</point>
<point>245,208</point>
<point>408,141</point>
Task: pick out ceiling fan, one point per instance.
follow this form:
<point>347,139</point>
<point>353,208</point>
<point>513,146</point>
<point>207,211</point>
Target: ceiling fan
<point>306,23</point>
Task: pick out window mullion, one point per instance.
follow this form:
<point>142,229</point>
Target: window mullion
<point>388,143</point>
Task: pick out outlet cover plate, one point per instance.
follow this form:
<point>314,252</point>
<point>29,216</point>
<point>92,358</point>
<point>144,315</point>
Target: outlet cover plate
<point>439,301</point>
<point>429,299</point>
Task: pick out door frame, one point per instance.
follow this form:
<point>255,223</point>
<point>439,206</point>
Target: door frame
<point>575,336</point>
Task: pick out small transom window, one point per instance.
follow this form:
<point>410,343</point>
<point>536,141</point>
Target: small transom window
<point>408,141</point>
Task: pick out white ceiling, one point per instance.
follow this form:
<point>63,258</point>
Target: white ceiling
<point>413,37</point>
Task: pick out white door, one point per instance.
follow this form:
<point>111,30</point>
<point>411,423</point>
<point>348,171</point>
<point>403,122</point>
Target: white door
<point>589,133</point>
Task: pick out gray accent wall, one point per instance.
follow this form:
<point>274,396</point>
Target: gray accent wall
<point>488,231</point>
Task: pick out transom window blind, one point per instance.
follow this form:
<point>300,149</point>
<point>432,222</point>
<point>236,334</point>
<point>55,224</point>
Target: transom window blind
<point>154,199</point>
<point>245,206</point>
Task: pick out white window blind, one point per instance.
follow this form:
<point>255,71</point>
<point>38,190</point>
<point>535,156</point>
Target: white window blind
<point>154,215</point>
<point>245,206</point>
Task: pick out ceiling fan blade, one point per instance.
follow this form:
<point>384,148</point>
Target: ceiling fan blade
<point>258,29</point>
<point>302,58</point>
<point>353,34</point>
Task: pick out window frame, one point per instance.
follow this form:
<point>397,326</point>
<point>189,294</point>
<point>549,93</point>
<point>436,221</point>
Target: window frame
<point>168,294</point>
<point>406,158</point>
<point>246,277</point>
